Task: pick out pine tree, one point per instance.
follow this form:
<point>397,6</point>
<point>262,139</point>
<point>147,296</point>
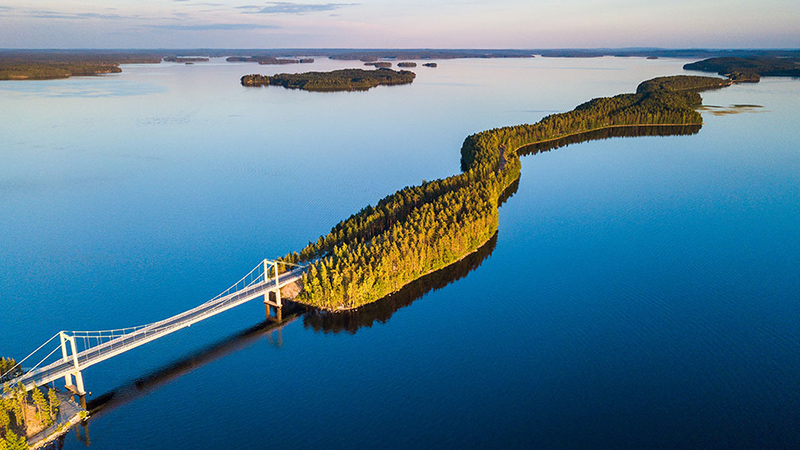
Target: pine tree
<point>20,404</point>
<point>14,442</point>
<point>42,408</point>
<point>5,420</point>
<point>54,404</point>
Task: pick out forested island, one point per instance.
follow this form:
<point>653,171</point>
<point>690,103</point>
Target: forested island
<point>269,60</point>
<point>424,228</point>
<point>186,59</point>
<point>749,69</point>
<point>337,80</point>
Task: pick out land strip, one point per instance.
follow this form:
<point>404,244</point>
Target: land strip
<point>421,229</point>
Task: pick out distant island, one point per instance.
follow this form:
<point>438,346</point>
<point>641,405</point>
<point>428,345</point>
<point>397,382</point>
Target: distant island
<point>410,54</point>
<point>749,69</point>
<point>337,80</point>
<point>406,64</point>
<point>422,229</point>
<point>186,59</point>
<point>379,64</point>
<point>269,60</point>
<point>430,65</point>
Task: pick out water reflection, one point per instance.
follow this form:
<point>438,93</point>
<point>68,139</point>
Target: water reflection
<point>731,109</point>
<point>508,193</point>
<point>83,87</point>
<point>382,310</point>
<point>608,133</point>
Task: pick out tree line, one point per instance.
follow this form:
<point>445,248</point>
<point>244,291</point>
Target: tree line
<point>420,229</point>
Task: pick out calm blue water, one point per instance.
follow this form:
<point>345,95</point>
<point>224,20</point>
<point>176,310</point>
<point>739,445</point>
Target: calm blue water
<point>641,293</point>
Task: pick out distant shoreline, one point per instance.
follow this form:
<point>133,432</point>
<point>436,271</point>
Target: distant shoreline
<point>31,64</point>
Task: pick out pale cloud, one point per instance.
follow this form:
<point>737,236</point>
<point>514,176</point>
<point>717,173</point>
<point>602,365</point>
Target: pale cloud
<point>294,8</point>
<point>216,27</point>
<point>74,16</point>
<point>399,23</point>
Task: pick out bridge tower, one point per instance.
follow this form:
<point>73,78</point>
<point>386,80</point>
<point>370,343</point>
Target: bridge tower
<point>68,351</point>
<point>277,304</point>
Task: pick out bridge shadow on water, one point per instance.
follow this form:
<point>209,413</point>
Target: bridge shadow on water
<point>148,383</point>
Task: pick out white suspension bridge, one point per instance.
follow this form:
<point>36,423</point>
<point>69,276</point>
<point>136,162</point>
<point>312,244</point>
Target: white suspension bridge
<point>82,349</point>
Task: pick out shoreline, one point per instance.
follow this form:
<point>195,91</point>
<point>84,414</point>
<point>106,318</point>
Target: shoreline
<point>62,430</point>
<point>79,415</point>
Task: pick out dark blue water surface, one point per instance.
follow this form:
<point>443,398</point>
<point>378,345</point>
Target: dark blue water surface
<point>640,293</point>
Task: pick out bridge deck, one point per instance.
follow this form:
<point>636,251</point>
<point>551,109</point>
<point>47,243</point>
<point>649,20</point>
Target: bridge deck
<point>145,334</point>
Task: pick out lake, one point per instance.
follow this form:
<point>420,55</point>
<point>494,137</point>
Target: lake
<point>640,293</point>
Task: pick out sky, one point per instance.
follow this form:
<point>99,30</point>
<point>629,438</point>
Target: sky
<point>399,24</point>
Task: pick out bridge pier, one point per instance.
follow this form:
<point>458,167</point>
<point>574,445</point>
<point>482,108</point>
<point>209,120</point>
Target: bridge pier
<point>277,305</point>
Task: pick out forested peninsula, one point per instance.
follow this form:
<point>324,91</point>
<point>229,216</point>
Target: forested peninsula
<point>33,65</point>
<point>337,80</point>
<point>420,229</point>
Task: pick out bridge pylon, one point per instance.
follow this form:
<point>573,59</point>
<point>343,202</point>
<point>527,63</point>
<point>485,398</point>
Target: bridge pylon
<point>71,352</point>
<point>277,304</point>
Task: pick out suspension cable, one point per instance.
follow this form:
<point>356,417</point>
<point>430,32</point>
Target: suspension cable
<point>43,359</point>
<point>19,364</point>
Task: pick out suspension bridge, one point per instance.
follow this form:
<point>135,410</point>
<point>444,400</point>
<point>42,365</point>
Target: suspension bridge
<point>70,352</point>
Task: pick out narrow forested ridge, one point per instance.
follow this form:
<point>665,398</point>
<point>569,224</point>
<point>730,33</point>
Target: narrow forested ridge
<point>420,229</point>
